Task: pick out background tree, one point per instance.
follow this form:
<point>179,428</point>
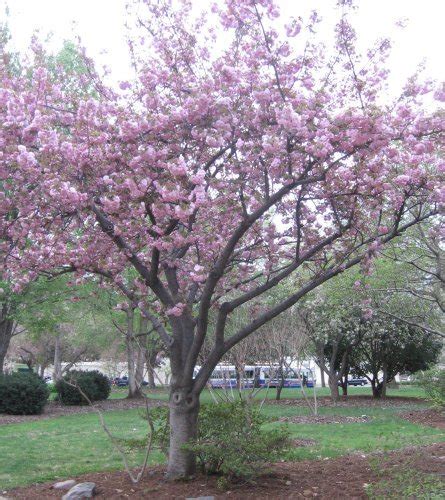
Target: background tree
<point>63,319</point>
<point>282,344</point>
<point>414,271</point>
<point>390,347</point>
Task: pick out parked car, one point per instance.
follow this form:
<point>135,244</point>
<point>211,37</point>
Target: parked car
<point>356,381</point>
<point>120,381</point>
<point>123,381</point>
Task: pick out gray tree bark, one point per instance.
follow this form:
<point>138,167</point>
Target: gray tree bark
<point>184,408</point>
<point>6,333</point>
<point>57,373</point>
<point>135,357</point>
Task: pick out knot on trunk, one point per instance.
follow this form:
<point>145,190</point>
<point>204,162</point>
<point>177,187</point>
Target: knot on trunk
<point>183,399</point>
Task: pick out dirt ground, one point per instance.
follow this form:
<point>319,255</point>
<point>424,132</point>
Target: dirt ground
<point>355,401</point>
<point>433,418</point>
<point>339,478</point>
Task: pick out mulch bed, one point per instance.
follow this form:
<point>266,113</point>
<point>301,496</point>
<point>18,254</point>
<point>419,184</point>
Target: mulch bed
<point>432,418</point>
<point>355,402</point>
<point>339,478</point>
<point>55,409</point>
<point>324,419</point>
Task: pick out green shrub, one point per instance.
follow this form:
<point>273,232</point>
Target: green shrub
<point>102,384</point>
<point>22,394</point>
<point>231,439</point>
<point>159,416</point>
<point>77,384</point>
<point>433,383</point>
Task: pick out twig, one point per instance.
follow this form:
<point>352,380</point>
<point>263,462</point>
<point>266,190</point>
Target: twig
<point>115,443</point>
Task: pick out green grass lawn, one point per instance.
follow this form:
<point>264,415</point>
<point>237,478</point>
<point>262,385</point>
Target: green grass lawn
<point>71,445</point>
<point>410,391</point>
<point>65,447</point>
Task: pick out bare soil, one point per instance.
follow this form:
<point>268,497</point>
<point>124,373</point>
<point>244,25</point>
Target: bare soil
<point>339,478</point>
<point>323,419</point>
<point>56,409</point>
<point>355,402</point>
<point>432,418</point>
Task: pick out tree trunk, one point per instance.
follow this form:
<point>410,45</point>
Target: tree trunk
<point>57,373</point>
<point>344,383</point>
<point>134,391</point>
<point>385,379</point>
<point>184,408</point>
<point>6,329</point>
<point>376,388</point>
<point>333,386</point>
<point>279,388</point>
<point>151,377</point>
<point>151,357</point>
<point>320,362</point>
<point>140,365</point>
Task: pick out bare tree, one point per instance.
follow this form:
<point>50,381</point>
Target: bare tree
<point>283,343</point>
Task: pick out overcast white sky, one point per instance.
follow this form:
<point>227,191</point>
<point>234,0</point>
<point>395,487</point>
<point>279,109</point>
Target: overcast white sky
<point>100,25</point>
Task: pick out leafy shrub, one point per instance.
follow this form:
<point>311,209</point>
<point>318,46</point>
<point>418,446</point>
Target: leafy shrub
<point>433,383</point>
<point>102,383</point>
<point>22,394</point>
<point>77,384</point>
<point>231,439</point>
<point>159,416</point>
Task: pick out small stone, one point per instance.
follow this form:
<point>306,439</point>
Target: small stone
<point>81,490</point>
<point>288,483</point>
<point>64,485</point>
<point>200,498</point>
<point>307,493</point>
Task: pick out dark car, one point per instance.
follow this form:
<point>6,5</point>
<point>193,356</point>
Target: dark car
<point>356,381</point>
<point>120,381</point>
<point>123,381</point>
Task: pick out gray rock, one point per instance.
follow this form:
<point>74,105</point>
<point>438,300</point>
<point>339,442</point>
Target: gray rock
<point>64,485</point>
<point>81,490</point>
<point>200,498</point>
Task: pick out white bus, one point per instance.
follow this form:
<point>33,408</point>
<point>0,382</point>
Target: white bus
<point>226,377</point>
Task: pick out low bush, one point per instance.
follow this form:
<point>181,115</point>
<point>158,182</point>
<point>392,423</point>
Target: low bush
<point>231,439</point>
<point>433,383</point>
<point>79,387</point>
<point>103,385</point>
<point>22,394</point>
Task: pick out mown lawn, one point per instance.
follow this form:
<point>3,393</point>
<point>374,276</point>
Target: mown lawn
<point>407,391</point>
<point>68,446</point>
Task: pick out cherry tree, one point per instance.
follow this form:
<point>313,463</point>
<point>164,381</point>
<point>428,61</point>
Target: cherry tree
<point>223,169</point>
